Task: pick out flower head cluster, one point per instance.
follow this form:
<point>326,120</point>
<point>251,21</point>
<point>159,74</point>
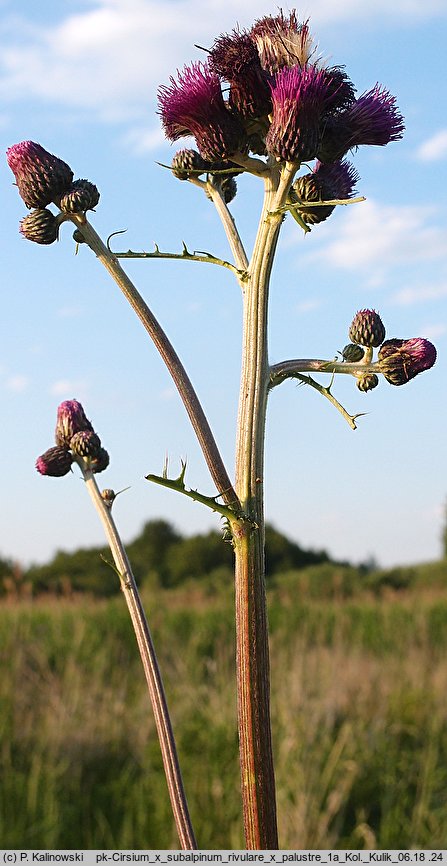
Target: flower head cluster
<point>399,360</point>
<point>265,90</point>
<point>41,179</point>
<point>75,438</point>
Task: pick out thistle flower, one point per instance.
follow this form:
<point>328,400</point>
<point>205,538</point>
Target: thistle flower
<point>71,419</point>
<point>372,119</point>
<point>367,329</point>
<point>282,41</point>
<point>326,182</point>
<point>235,58</point>
<point>82,195</point>
<point>40,176</point>
<point>402,360</point>
<point>195,106</point>
<point>40,226</point>
<point>54,462</point>
<point>299,98</point>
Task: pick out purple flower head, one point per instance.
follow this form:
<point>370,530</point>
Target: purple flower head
<point>327,181</point>
<point>341,91</point>
<point>402,360</point>
<point>71,419</point>
<point>195,106</point>
<point>55,462</point>
<point>282,41</point>
<point>40,226</point>
<point>235,59</point>
<point>299,97</point>
<point>372,119</point>
<point>40,176</point>
<point>367,329</point>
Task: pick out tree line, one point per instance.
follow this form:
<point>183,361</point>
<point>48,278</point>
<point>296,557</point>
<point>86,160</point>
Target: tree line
<point>160,556</point>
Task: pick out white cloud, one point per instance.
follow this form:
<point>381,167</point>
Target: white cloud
<point>66,388</point>
<point>434,148</point>
<point>432,332</point>
<point>377,237</point>
<point>17,383</point>
<point>111,58</point>
<point>141,141</point>
<point>419,295</point>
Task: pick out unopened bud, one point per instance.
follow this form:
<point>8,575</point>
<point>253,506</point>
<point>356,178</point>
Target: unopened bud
<point>40,226</point>
<point>367,329</point>
<point>85,443</point>
<point>188,163</point>
<point>352,353</point>
<point>367,382</point>
<point>402,360</point>
<point>71,418</point>
<point>40,176</point>
<point>54,462</point>
<point>82,195</point>
<point>100,462</point>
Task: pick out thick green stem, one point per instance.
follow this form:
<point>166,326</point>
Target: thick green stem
<point>252,651</point>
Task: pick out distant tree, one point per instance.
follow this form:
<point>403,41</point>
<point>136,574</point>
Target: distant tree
<point>148,552</point>
<point>82,571</point>
<point>197,556</point>
<point>444,535</point>
<point>281,554</point>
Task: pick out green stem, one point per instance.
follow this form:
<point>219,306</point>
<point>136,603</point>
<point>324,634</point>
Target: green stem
<point>150,664</point>
<point>252,651</point>
<point>181,380</point>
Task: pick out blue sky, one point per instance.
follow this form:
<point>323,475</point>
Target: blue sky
<point>81,78</point>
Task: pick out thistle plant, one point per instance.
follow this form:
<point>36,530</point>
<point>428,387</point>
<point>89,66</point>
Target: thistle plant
<point>264,104</point>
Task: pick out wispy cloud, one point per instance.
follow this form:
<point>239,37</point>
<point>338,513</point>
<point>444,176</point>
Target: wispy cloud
<point>17,383</point>
<point>378,237</point>
<point>419,295</point>
<point>434,148</point>
<point>68,389</point>
<point>110,58</point>
<point>141,141</point>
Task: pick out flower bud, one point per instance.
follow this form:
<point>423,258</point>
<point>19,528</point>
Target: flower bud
<point>367,382</point>
<point>71,419</point>
<point>82,195</point>
<point>367,329</point>
<point>85,443</point>
<point>108,496</point>
<point>188,163</point>
<point>40,226</point>
<point>100,462</point>
<point>229,189</point>
<point>55,462</point>
<point>352,353</point>
<point>40,176</point>
<point>402,360</point>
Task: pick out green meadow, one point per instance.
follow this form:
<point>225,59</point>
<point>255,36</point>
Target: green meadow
<point>359,711</point>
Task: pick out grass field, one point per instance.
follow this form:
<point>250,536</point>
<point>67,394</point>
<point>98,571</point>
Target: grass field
<point>359,706</point>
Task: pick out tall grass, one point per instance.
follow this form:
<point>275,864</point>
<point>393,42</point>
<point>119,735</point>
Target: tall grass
<point>359,700</point>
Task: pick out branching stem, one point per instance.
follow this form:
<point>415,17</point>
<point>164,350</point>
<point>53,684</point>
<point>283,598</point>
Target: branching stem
<point>169,356</point>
